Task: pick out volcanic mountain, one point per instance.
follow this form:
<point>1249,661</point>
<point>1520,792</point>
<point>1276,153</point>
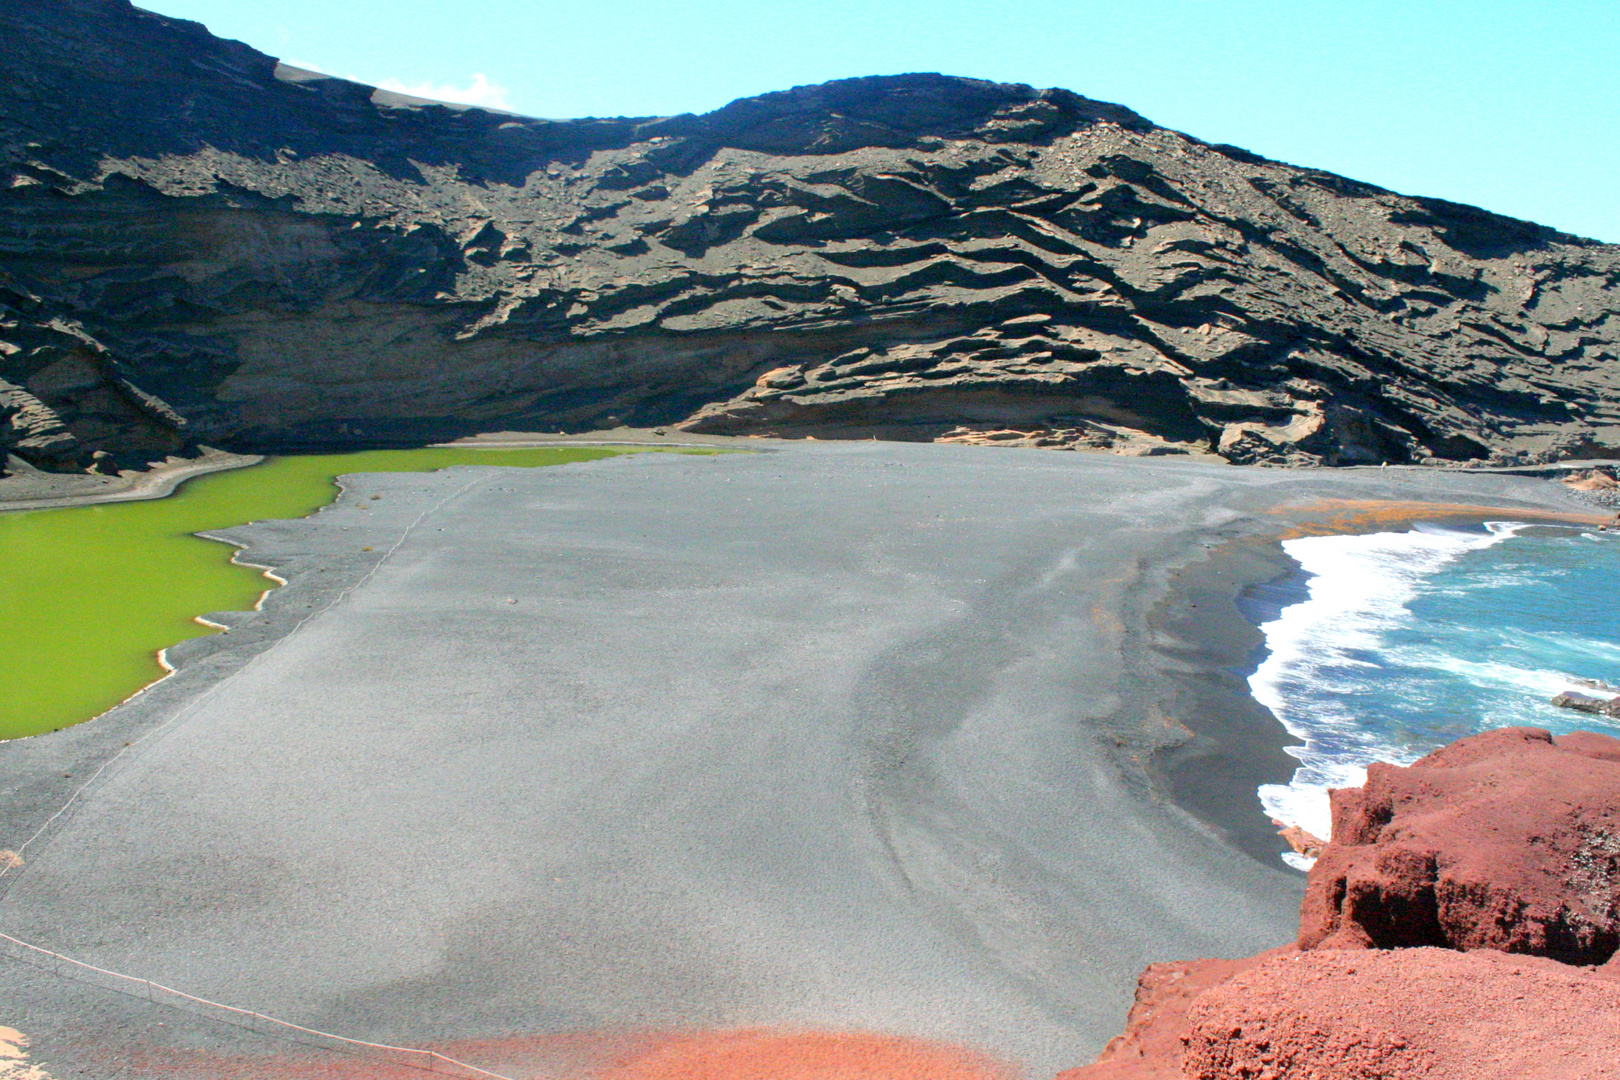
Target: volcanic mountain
<point>200,244</point>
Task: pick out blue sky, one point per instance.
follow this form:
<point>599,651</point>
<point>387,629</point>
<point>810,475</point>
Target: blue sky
<point>1510,106</point>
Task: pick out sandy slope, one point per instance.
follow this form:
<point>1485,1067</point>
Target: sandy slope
<point>847,736</point>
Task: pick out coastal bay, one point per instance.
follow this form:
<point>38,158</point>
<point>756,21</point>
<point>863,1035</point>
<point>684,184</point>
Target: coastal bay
<point>1405,640</point>
<point>897,746</point>
<point>861,736</point>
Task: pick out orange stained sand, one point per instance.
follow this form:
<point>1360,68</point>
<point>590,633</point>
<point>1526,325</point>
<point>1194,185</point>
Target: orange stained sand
<point>806,1055</point>
<point>1360,515</point>
<point>752,1054</point>
<point>576,1055</point>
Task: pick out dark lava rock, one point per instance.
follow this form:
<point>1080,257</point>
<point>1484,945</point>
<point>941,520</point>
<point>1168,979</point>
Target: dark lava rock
<point>1570,699</point>
<point>199,243</point>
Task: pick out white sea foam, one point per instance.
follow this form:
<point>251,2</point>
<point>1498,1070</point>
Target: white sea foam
<point>1325,650</point>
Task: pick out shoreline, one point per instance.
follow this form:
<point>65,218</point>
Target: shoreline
<point>1236,744</point>
<point>1420,630</point>
<point>1229,735</point>
<point>55,491</point>
<point>24,487</point>
<point>1191,559</point>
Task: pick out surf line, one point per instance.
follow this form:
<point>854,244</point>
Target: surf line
<point>1358,585</point>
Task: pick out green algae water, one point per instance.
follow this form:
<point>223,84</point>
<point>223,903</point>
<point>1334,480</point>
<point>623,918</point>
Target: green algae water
<point>89,595</point>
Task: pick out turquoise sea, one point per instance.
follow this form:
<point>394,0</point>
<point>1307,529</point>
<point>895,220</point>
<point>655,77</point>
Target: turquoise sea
<point>1390,645</point>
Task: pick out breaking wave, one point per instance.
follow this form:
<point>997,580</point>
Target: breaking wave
<point>1406,641</point>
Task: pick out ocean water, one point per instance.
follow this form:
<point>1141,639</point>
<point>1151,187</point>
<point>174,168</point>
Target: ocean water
<point>1394,644</point>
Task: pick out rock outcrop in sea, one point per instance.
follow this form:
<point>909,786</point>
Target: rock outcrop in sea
<point>1462,924</point>
<point>200,243</point>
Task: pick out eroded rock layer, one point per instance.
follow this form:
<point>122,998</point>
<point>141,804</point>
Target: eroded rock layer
<point>199,243</point>
<point>1415,1014</point>
<point>1508,840</point>
<point>1460,925</point>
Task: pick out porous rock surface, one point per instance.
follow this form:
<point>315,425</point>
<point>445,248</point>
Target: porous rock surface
<point>1332,1014</point>
<point>1151,1046</point>
<point>1460,925</point>
<point>199,243</point>
<point>1413,1014</point>
<point>1507,840</point>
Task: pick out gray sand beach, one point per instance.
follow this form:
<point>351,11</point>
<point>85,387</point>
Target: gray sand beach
<point>860,736</point>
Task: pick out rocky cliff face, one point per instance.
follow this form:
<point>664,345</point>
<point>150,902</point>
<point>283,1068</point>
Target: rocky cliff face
<point>1507,841</point>
<point>197,243</point>
<point>1462,924</point>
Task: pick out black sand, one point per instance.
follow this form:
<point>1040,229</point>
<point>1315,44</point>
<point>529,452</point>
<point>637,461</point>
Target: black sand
<point>864,735</point>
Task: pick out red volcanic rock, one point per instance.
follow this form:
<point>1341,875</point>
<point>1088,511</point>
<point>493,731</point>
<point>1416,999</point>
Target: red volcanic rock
<point>1412,1014</point>
<point>1150,1048</point>
<point>1507,840</point>
<point>1332,1014</point>
<point>1502,843</point>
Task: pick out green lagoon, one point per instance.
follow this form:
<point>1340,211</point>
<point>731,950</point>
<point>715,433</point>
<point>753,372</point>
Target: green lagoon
<point>89,595</point>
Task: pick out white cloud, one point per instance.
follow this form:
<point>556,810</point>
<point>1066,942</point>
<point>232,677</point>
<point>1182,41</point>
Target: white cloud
<point>478,91</point>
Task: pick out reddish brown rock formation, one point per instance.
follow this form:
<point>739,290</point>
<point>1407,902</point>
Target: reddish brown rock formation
<point>1508,840</point>
<point>1304,843</point>
<point>1151,1045</point>
<point>1402,1015</point>
<point>1502,843</point>
<point>1337,1014</point>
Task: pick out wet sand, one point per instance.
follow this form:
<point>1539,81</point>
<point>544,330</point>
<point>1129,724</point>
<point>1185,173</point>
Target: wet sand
<point>23,487</point>
<point>861,737</point>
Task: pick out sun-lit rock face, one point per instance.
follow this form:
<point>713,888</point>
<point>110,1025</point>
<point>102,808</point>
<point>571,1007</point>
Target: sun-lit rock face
<point>1411,1014</point>
<point>1462,924</point>
<point>199,243</point>
<point>1508,840</point>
